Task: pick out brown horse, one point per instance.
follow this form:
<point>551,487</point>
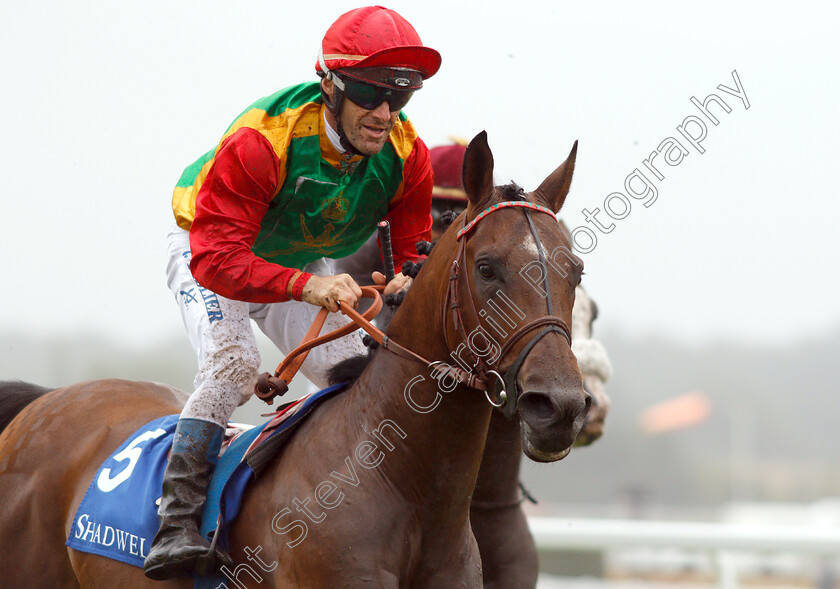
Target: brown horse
<point>499,524</point>
<point>375,488</point>
<point>508,553</point>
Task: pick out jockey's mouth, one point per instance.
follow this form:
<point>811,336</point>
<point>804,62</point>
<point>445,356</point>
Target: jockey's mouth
<point>376,131</point>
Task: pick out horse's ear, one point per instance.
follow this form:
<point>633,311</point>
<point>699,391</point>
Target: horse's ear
<point>554,189</point>
<point>477,174</point>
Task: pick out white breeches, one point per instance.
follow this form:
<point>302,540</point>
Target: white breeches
<point>222,337</point>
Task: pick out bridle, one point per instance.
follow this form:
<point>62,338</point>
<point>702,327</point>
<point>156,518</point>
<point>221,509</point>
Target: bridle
<point>480,375</point>
<point>506,397</point>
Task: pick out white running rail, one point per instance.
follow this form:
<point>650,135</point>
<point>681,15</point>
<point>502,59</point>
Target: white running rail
<point>721,539</point>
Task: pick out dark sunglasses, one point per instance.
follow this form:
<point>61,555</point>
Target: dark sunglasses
<point>369,96</point>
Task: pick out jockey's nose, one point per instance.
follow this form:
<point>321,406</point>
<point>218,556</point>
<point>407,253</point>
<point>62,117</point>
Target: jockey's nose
<point>382,112</point>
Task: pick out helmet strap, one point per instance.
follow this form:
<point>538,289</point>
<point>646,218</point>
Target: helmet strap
<point>334,104</point>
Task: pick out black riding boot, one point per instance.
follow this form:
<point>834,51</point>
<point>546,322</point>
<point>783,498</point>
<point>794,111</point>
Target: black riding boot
<point>179,548</point>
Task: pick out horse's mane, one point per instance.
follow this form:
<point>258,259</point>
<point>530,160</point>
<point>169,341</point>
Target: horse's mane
<point>349,369</point>
<point>15,395</point>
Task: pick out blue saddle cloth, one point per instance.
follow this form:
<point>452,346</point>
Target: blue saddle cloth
<point>117,517</point>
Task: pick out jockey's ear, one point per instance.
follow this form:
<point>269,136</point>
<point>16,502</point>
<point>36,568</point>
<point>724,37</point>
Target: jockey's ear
<point>328,86</point>
<point>554,189</point>
<point>477,174</point>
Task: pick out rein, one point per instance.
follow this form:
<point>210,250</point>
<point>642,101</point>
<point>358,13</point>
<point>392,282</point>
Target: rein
<point>268,386</point>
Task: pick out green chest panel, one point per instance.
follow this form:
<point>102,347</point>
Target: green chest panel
<point>324,212</point>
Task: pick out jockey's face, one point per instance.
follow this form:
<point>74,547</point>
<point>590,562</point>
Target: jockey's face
<point>366,129</point>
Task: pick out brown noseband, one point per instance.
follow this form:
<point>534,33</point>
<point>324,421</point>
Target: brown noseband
<point>549,323</point>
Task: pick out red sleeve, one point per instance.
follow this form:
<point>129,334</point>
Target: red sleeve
<point>411,216</point>
<point>229,208</point>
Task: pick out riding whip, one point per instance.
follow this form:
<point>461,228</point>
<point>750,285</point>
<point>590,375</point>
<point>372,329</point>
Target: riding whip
<point>387,254</point>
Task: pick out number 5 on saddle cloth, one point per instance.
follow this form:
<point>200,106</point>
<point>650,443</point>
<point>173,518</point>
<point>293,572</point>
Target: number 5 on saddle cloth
<point>133,475</point>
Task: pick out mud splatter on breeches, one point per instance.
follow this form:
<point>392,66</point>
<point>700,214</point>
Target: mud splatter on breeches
<point>222,337</point>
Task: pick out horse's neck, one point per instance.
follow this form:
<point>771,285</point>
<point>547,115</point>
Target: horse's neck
<point>438,452</point>
<point>444,432</point>
<point>498,478</point>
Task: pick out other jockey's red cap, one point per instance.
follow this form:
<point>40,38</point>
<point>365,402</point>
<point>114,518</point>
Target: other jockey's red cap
<point>447,163</point>
<point>375,37</point>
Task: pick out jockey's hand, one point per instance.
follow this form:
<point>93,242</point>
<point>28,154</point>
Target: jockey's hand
<point>326,291</point>
<point>400,283</point>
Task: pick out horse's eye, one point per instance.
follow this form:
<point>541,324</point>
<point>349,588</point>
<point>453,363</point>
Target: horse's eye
<point>485,270</point>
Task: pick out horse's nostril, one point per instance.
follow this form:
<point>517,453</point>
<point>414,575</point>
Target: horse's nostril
<point>538,405</point>
<point>590,398</point>
<point>587,403</point>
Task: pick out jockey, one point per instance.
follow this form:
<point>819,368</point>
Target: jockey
<point>305,173</point>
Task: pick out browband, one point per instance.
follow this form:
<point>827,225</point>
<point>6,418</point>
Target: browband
<point>510,203</point>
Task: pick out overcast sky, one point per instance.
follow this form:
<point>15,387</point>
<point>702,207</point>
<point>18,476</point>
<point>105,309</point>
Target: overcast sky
<point>105,103</point>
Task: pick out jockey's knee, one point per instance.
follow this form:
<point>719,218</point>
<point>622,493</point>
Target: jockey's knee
<point>232,369</point>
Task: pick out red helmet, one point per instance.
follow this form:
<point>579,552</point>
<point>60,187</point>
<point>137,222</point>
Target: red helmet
<point>373,38</point>
<point>447,163</point>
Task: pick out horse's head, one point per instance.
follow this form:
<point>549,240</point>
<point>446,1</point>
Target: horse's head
<point>515,279</point>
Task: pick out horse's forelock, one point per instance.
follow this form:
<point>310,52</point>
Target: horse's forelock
<point>500,194</point>
<point>512,191</point>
